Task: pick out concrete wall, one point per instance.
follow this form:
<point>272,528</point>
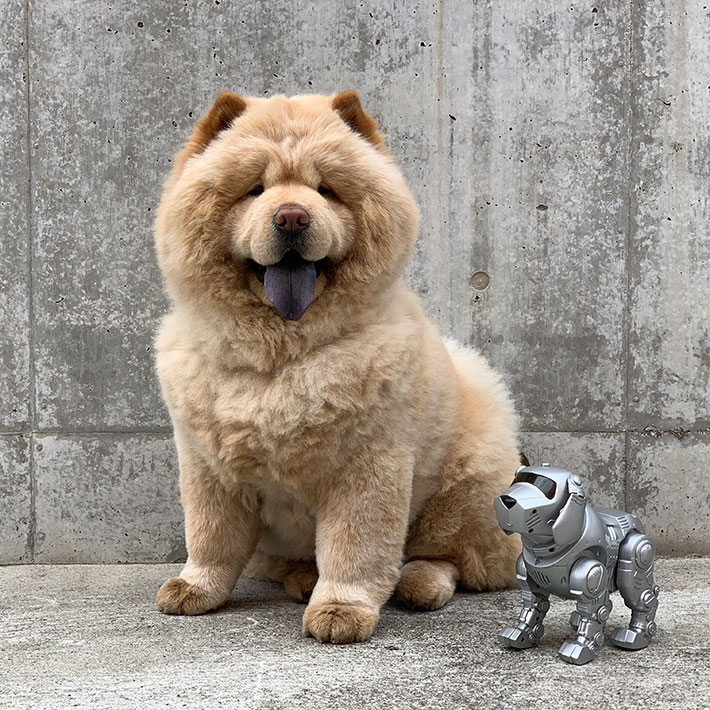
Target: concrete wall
<point>561,156</point>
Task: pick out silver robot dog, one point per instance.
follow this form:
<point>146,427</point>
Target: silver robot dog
<point>576,552</point>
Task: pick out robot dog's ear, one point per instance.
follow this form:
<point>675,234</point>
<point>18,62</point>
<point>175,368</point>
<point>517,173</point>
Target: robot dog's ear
<point>568,526</point>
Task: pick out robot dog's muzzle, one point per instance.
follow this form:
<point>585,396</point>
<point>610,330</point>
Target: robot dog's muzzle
<point>519,509</point>
<point>507,501</point>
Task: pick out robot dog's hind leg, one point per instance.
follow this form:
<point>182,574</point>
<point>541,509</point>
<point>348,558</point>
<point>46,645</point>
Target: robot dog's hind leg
<point>535,605</point>
<point>634,578</point>
<point>588,580</point>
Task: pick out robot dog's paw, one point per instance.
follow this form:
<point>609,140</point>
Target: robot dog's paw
<point>576,653</point>
<point>632,639</point>
<point>519,638</point>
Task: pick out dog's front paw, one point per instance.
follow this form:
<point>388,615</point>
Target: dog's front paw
<point>339,623</point>
<point>177,596</point>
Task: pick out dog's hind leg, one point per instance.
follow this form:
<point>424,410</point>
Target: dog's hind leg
<point>456,539</point>
<point>300,582</point>
<point>299,577</point>
<point>458,525</point>
<point>458,522</point>
<point>426,584</point>
<point>634,579</point>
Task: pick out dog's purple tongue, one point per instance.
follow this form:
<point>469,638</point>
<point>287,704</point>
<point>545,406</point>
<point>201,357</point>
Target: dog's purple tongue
<point>291,285</point>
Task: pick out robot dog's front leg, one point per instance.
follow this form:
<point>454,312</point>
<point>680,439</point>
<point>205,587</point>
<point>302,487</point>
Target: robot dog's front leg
<point>634,578</point>
<point>589,582</point>
<point>535,605</point>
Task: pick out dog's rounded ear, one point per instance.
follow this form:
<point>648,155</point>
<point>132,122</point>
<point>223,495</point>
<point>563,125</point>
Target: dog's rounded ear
<point>225,109</point>
<point>347,106</point>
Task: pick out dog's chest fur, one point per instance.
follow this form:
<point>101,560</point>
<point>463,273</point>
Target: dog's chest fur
<point>305,417</point>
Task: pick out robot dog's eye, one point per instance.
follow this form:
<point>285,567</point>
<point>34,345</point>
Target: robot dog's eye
<point>546,485</point>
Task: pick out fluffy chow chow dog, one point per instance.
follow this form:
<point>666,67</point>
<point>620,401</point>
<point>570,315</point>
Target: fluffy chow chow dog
<point>328,438</point>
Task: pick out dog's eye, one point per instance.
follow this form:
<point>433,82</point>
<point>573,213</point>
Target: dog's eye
<point>256,191</point>
<point>325,191</point>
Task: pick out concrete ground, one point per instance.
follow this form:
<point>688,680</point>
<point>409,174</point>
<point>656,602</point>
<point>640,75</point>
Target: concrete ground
<point>91,637</point>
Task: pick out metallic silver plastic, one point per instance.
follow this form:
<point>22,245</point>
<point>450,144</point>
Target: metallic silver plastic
<point>574,551</point>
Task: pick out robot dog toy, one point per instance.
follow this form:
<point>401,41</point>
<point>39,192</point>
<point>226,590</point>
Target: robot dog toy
<point>576,552</point>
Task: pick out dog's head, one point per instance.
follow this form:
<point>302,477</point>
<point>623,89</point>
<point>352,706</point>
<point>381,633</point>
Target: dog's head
<point>276,203</point>
<point>543,503</point>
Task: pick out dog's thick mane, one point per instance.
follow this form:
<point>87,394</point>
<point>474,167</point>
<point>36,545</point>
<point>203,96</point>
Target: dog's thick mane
<point>214,289</point>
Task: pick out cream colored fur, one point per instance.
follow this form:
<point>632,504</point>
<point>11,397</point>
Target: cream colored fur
<point>354,438</point>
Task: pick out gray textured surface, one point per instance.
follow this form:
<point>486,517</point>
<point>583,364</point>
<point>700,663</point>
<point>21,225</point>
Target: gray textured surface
<point>540,102</point>
<point>16,498</point>
<point>91,637</point>
<point>14,236</point>
<point>101,146</point>
<point>670,478</point>
<point>599,458</point>
<point>669,253</point>
<point>107,496</point>
<point>560,157</point>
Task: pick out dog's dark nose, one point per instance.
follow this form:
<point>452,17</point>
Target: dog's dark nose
<point>508,502</point>
<point>291,219</point>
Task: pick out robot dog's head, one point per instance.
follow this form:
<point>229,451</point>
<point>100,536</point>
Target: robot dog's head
<point>543,502</point>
